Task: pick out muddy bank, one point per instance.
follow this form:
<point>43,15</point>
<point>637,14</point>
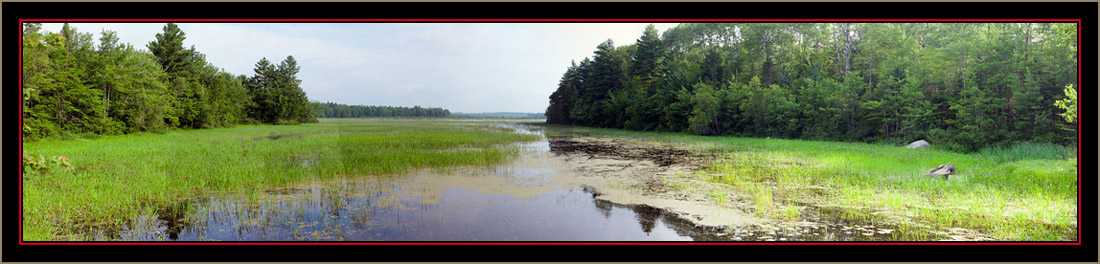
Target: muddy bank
<point>660,154</point>
<point>654,175</point>
<point>669,178</point>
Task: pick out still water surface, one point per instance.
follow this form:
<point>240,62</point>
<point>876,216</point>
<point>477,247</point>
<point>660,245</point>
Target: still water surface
<point>405,208</point>
<point>516,201</point>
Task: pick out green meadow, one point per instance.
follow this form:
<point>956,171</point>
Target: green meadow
<point>110,180</point>
<point>1026,192</point>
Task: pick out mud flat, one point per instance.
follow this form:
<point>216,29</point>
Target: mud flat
<point>655,175</point>
<point>670,177</point>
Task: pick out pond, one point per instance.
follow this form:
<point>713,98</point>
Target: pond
<point>535,197</point>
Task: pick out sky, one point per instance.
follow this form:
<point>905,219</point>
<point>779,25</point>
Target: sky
<point>462,67</point>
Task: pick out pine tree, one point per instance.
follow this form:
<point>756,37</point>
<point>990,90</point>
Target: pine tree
<point>168,47</point>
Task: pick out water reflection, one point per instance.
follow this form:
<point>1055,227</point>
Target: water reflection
<point>460,215</point>
<point>510,202</point>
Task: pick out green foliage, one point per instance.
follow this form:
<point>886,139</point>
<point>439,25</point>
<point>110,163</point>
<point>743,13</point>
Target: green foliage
<point>71,85</point>
<point>603,76</point>
<point>57,96</point>
<point>561,101</point>
<point>277,95</point>
<point>962,86</point>
<point>1069,104</point>
<point>334,110</point>
<point>704,116</point>
<point>39,164</point>
<point>168,47</point>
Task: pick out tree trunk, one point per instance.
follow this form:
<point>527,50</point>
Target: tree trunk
<point>768,71</point>
<point>847,48</point>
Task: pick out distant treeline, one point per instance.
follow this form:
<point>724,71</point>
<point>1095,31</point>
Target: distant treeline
<point>959,85</point>
<point>334,110</point>
<point>502,115</point>
<point>71,84</point>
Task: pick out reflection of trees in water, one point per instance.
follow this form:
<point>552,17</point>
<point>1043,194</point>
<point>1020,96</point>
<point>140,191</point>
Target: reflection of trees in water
<point>647,217</point>
<point>604,207</point>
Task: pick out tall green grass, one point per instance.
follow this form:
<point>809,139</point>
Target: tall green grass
<point>115,178</point>
<point>1028,151</point>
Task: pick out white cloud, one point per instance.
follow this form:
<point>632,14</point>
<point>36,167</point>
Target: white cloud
<point>464,67</point>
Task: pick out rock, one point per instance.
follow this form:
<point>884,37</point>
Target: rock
<point>944,170</point>
<point>919,144</point>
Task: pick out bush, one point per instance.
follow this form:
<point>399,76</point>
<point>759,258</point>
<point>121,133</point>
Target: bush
<point>286,122</point>
<point>38,164</point>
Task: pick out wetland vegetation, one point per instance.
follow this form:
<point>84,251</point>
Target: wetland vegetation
<point>793,189</point>
<point>715,131</point>
<point>1026,192</point>
<point>114,179</point>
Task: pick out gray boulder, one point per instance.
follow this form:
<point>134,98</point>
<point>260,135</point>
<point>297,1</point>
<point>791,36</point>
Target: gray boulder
<point>944,171</point>
<point>919,144</point>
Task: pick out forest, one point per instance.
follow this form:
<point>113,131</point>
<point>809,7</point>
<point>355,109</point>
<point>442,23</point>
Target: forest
<point>75,85</point>
<point>961,86</point>
<point>335,110</point>
<point>757,131</point>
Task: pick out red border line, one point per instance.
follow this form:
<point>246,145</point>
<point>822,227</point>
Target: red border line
<point>23,243</point>
<point>546,20</point>
<point>824,243</point>
<point>20,132</point>
<point>1078,130</point>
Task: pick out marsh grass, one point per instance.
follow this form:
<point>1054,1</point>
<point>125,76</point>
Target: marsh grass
<point>1026,191</point>
<point>113,179</point>
<point>1028,151</point>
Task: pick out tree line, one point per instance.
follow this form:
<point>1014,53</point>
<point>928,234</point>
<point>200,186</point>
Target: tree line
<point>334,110</point>
<point>73,84</point>
<point>963,86</point>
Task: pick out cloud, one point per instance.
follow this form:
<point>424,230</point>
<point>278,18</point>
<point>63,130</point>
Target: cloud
<point>464,67</point>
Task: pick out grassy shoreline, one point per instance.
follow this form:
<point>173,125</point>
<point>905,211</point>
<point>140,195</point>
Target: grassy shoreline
<point>1027,192</point>
<point>113,179</point>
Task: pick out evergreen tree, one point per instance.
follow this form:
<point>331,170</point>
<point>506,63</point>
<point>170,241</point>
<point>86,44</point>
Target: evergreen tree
<point>168,47</point>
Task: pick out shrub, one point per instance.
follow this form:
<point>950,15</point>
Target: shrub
<point>37,164</point>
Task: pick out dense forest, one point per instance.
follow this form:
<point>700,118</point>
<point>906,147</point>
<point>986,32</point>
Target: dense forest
<point>73,85</point>
<point>961,86</point>
<point>341,111</point>
<point>502,115</point>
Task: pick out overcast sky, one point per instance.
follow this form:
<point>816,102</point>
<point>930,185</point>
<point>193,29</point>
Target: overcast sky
<point>463,67</point>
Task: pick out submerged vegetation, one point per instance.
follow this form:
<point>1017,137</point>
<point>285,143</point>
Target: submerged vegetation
<point>1025,192</point>
<point>114,179</point>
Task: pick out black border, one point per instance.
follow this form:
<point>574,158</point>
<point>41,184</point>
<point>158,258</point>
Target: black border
<point>13,11</point>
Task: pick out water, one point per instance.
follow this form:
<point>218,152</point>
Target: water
<point>511,202</point>
<point>524,200</point>
<point>459,215</point>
